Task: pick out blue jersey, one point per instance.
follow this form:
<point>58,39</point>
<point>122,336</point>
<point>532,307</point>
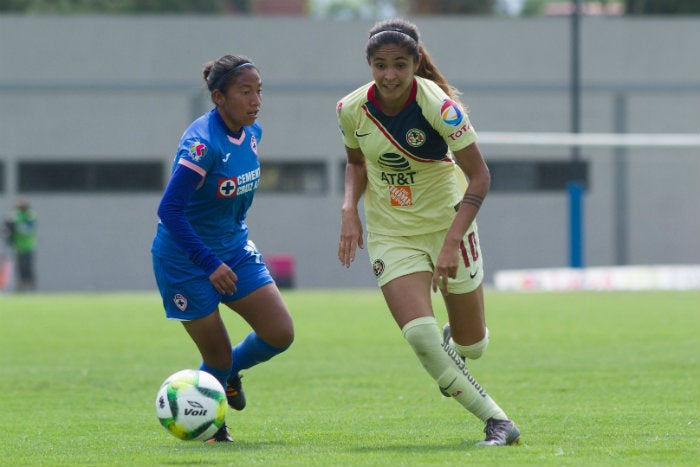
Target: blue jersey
<point>231,170</point>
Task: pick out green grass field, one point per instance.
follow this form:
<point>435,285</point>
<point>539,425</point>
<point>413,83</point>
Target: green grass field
<point>592,379</point>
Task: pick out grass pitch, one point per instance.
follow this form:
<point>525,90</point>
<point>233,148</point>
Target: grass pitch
<point>592,379</point>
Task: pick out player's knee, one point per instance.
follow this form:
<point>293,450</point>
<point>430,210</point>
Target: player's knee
<point>286,339</point>
<point>474,351</point>
<point>281,338</point>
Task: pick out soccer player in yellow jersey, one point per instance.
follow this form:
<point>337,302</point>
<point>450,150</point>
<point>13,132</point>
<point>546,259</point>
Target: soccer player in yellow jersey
<point>409,144</point>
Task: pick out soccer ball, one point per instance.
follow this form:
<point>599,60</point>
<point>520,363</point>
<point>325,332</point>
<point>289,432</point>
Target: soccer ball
<point>191,405</point>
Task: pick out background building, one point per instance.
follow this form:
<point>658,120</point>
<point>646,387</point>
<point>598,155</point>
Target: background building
<point>92,108</point>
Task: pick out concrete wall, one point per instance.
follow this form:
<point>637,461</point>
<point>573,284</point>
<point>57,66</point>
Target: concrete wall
<point>91,88</point>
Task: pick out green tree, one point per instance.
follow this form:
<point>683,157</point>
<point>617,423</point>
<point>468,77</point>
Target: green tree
<point>632,7</point>
<point>533,7</point>
<point>442,7</point>
<point>662,7</point>
<point>125,6</point>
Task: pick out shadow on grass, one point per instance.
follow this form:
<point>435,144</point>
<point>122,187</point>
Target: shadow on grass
<point>199,446</point>
<point>418,447</point>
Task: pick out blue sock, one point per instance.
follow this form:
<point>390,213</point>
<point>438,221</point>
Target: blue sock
<point>221,375</point>
<point>251,351</point>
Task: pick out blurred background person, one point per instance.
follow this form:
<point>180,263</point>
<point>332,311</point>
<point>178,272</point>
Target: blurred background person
<point>21,234</point>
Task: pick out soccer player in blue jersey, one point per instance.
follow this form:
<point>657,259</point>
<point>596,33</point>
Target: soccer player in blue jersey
<point>409,144</point>
<point>201,252</point>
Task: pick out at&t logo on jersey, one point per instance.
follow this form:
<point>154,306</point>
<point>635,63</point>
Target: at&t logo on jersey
<point>398,178</point>
<point>197,151</point>
<point>451,112</point>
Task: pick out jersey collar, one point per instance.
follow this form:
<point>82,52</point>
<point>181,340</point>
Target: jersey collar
<point>235,138</point>
<point>371,95</point>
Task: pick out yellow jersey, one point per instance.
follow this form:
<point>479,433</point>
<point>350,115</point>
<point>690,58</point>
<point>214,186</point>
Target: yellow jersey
<point>414,185</point>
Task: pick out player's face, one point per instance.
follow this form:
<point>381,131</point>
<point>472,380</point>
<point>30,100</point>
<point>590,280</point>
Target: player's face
<point>393,69</point>
<point>240,105</point>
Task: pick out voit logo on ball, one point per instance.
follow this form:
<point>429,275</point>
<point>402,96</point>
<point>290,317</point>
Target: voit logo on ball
<point>195,409</point>
<point>451,112</point>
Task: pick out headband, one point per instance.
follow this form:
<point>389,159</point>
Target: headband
<point>392,30</point>
<point>222,78</point>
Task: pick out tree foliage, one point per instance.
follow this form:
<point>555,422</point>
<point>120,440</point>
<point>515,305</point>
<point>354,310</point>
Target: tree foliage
<point>662,7</point>
<point>417,7</point>
<point>221,6</point>
<point>631,7</point>
<point>124,6</point>
<point>445,7</point>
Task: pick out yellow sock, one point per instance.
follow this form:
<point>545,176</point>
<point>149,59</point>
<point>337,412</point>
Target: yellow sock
<point>448,370</point>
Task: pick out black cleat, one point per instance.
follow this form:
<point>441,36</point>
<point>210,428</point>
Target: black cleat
<point>234,393</point>
<point>500,433</point>
<point>221,436</point>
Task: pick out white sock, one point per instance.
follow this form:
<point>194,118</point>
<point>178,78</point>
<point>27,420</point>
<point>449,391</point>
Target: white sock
<point>445,366</point>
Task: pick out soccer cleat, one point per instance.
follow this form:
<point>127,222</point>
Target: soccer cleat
<point>221,436</point>
<point>234,393</point>
<point>500,433</point>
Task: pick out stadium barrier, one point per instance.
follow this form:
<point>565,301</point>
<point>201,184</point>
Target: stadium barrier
<point>667,277</point>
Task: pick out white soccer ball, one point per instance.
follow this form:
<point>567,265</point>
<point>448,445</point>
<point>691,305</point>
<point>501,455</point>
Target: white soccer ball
<point>191,405</point>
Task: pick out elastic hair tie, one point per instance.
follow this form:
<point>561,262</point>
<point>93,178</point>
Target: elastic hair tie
<point>223,77</point>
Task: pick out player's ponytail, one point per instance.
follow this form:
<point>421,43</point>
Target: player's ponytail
<point>427,69</point>
<point>405,34</point>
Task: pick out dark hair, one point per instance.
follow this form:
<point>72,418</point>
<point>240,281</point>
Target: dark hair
<point>220,74</point>
<point>405,34</point>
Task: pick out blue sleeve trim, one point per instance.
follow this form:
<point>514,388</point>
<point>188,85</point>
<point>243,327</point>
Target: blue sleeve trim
<point>171,210</point>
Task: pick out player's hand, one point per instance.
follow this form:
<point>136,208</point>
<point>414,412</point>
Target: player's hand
<point>445,269</point>
<point>224,279</point>
<point>351,237</point>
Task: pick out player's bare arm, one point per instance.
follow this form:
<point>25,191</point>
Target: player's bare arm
<point>351,234</point>
<point>472,163</point>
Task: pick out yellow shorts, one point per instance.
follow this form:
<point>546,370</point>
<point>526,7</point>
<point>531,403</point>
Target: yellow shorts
<point>395,256</point>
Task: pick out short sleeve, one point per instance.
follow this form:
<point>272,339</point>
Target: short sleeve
<point>196,154</point>
<point>454,125</point>
<point>447,117</point>
<point>347,125</point>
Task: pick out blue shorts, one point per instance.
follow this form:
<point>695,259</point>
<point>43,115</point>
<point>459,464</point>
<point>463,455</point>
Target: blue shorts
<point>187,292</point>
